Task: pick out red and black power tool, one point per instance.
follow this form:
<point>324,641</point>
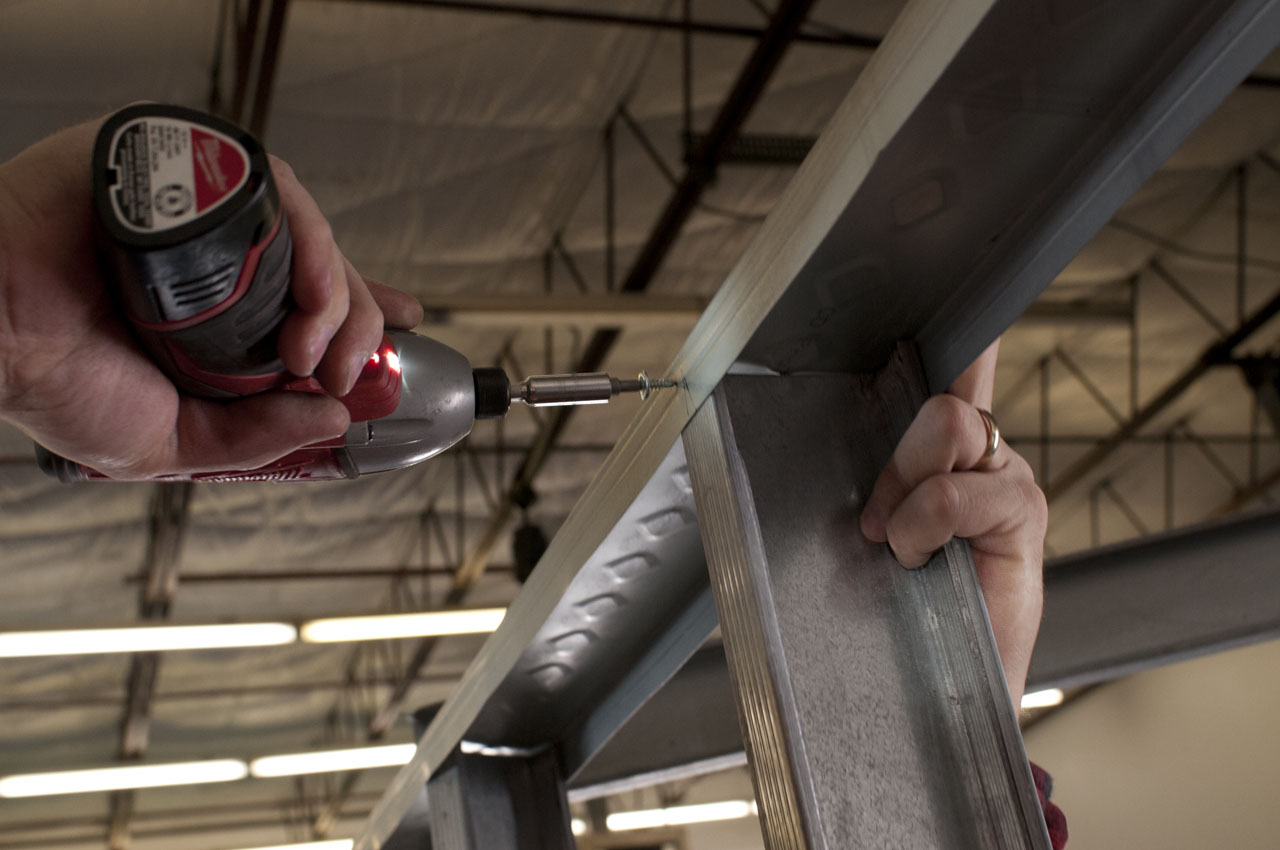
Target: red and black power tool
<point>200,252</point>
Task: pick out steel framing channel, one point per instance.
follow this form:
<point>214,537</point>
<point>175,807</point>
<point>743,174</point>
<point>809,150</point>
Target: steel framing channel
<point>661,23</point>
<point>644,594</point>
<point>979,150</point>
<point>871,698</point>
<point>1132,606</point>
<point>1024,104</point>
<point>682,730</point>
<point>499,802</point>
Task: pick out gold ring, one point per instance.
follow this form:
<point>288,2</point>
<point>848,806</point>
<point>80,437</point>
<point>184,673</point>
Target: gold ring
<point>993,433</point>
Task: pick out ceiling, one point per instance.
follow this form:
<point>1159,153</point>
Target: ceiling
<point>463,153</point>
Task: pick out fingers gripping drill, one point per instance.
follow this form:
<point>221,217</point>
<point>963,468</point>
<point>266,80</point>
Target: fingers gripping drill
<point>200,253</point>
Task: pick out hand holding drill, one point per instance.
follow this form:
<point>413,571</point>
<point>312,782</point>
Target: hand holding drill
<point>227,274</point>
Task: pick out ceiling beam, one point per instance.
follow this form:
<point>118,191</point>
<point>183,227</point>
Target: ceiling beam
<point>75,700</point>
<point>170,508</point>
<point>1133,606</point>
<point>629,311</point>
<point>602,17</point>
<point>1050,311</point>
<point>1249,494</point>
<point>153,815</point>
<point>267,65</point>
<point>828,37</point>
<point>371,573</point>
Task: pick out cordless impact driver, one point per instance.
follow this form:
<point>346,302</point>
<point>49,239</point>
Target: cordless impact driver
<point>199,252</point>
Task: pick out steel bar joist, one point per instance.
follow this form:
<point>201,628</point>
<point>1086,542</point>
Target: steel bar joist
<point>979,150</point>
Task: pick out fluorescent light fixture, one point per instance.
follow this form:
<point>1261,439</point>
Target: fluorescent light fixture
<point>385,627</point>
<point>332,761</point>
<point>237,635</point>
<point>339,844</point>
<point>579,826</point>
<point>678,815</point>
<point>122,778</point>
<point>1042,699</point>
<point>144,639</point>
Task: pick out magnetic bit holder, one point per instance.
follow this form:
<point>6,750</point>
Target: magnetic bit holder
<point>590,388</point>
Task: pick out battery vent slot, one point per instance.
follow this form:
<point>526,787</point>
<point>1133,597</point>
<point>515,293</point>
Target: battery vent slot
<point>188,298</point>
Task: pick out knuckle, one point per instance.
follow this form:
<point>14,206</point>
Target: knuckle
<point>949,416</point>
<point>904,552</point>
<point>281,168</point>
<point>1037,505</point>
<point>939,501</point>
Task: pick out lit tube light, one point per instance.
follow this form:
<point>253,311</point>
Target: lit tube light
<point>389,626</point>
<point>1042,699</point>
<point>144,639</point>
<point>122,778</point>
<point>680,815</point>
<point>339,844</point>
<point>333,761</point>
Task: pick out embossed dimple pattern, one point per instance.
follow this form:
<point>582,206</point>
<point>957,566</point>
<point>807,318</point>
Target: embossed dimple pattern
<point>606,615</point>
<point>550,675</point>
<point>666,522</point>
<point>599,606</point>
<point>625,569</point>
<point>919,202</point>
<point>573,641</point>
